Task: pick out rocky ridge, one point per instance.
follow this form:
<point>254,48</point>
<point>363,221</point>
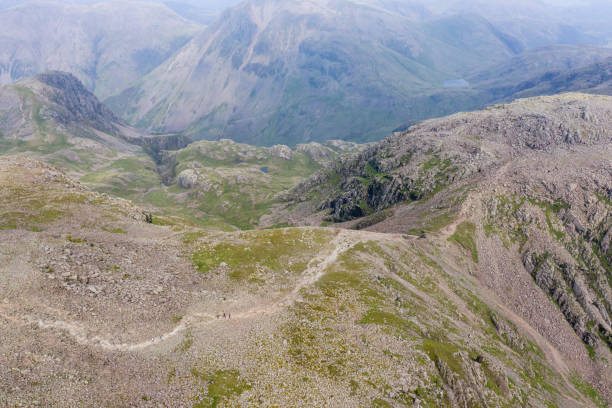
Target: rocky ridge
<point>412,165</point>
<point>524,188</point>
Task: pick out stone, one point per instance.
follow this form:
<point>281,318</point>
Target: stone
<point>188,179</point>
<point>281,151</point>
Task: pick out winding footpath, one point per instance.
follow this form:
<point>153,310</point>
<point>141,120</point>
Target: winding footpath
<point>314,271</point>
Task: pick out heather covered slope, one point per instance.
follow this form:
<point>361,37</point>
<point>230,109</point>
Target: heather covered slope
<point>100,307</point>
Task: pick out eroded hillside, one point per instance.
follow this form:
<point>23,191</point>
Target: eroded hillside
<point>464,262</point>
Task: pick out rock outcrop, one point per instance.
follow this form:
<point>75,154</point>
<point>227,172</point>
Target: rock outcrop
<point>415,164</point>
<point>79,105</point>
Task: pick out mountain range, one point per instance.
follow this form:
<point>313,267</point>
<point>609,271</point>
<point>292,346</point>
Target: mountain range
<point>462,262</point>
<point>265,72</point>
<point>285,72</point>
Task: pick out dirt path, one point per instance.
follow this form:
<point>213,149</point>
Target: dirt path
<point>314,271</point>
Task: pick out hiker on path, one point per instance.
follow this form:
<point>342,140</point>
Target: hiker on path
<point>224,316</point>
<point>229,315</point>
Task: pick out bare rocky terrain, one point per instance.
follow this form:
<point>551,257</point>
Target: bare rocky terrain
<point>101,308</point>
<point>524,188</point>
<point>468,266</point>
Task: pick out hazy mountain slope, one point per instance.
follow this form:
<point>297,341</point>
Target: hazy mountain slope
<point>106,45</point>
<point>595,78</point>
<point>533,64</point>
<point>99,307</point>
<point>203,12</point>
<point>283,72</point>
<point>199,11</point>
<point>524,189</point>
<point>54,118</point>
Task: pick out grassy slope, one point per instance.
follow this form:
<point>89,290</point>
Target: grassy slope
<point>245,180</point>
<point>242,183</point>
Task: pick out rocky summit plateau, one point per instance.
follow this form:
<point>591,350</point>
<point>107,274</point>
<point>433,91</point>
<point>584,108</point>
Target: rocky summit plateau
<point>208,214</point>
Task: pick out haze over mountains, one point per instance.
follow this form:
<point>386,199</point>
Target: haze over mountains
<point>202,12</point>
<point>282,72</point>
<point>107,45</point>
<point>267,72</point>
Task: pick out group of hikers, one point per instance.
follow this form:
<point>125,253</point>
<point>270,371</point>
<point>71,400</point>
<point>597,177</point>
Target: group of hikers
<point>227,315</point>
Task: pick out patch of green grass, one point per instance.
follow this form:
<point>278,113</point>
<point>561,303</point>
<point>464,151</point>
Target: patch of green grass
<point>159,198</point>
<point>591,351</point>
<point>281,225</point>
<point>114,230</point>
<point>266,250</point>
<point>588,391</point>
<point>551,209</point>
<point>603,198</point>
<point>445,352</point>
<point>223,386</point>
<point>434,223</point>
<point>436,163</point>
<point>129,178</point>
<point>380,403</point>
<point>339,279</point>
<point>538,376</point>
<point>26,207</point>
<point>381,318</point>
<point>464,236</point>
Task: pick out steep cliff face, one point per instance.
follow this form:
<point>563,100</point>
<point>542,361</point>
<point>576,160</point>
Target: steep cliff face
<point>78,104</point>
